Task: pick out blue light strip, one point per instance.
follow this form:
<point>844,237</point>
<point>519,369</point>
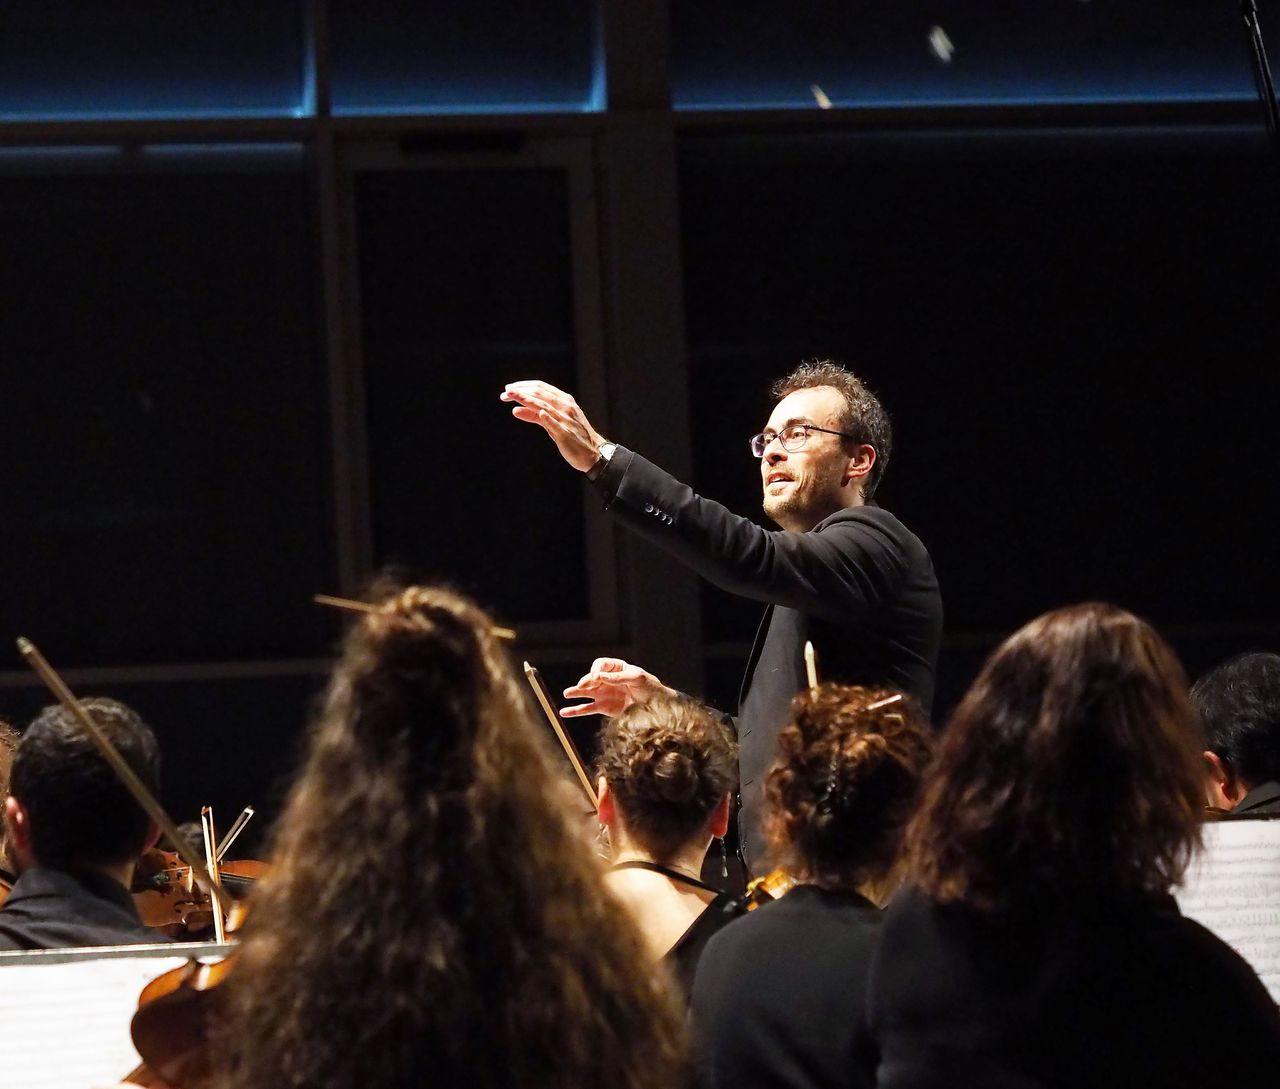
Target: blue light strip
<point>174,114</point>
<point>418,109</point>
<point>942,103</point>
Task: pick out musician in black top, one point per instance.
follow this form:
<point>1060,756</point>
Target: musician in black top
<point>1036,943</point>
<point>667,770</point>
<point>75,832</point>
<point>779,998</point>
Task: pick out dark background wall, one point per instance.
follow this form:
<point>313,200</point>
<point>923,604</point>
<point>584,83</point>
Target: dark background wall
<point>265,269</point>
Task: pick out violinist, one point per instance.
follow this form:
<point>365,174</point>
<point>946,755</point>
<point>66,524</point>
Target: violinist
<point>667,772</point>
<point>75,833</point>
<point>431,915</point>
<point>779,997</point>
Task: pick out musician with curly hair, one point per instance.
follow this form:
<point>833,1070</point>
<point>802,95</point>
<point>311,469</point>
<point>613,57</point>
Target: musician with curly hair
<point>779,998</point>
<point>667,772</point>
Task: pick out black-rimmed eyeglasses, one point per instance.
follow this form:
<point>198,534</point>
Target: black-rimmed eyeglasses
<point>792,438</point>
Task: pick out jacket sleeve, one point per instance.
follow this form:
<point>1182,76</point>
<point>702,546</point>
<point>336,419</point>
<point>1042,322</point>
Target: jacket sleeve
<point>847,568</point>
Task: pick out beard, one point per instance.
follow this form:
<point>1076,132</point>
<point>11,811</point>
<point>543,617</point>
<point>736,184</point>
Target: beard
<point>803,505</point>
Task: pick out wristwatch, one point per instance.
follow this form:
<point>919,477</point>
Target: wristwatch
<point>606,452</point>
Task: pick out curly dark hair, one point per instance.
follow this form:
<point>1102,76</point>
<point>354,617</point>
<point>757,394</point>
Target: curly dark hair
<point>863,417</point>
<point>78,810</point>
<point>668,764</point>
<point>1239,705</point>
<point>844,784</point>
<point>431,911</point>
<point>1071,766</point>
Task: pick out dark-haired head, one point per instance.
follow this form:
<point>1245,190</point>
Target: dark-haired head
<point>1072,765</point>
<point>72,807</point>
<point>1239,705</point>
<point>668,766</point>
<point>863,416</point>
<point>431,908</point>
<point>844,784</point>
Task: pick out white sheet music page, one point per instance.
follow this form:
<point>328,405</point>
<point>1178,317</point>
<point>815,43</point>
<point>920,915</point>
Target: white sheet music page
<point>1233,888</point>
<point>66,1025</point>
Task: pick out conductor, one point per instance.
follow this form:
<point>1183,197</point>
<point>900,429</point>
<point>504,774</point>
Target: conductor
<point>841,572</point>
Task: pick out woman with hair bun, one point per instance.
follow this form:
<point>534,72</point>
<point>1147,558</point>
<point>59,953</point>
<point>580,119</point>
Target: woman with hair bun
<point>667,772</point>
<point>1037,944</point>
<point>432,916</point>
<point>779,998</point>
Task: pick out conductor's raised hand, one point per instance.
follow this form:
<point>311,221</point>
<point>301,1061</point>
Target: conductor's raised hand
<point>558,414</point>
<point>612,686</point>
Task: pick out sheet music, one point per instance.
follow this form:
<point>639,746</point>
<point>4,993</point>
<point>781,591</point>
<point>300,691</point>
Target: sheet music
<point>1233,888</point>
<point>66,1023</point>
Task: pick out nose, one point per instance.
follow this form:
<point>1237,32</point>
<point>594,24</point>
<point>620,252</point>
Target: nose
<point>774,452</point>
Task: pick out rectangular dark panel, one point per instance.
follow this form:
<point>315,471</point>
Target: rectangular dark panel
<point>1075,333</point>
<point>730,53</point>
<point>145,58</point>
<point>466,285</point>
<point>404,56</point>
<point>161,416</point>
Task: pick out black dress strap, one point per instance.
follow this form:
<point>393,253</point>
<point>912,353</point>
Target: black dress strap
<point>666,871</point>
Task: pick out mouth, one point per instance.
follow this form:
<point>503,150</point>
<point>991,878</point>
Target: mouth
<point>776,478</point>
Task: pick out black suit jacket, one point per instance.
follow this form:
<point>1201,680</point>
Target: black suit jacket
<point>55,909</point>
<point>859,585</point>
<point>1262,800</point>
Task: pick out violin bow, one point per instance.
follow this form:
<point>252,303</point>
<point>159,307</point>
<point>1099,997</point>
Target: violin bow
<point>211,863</point>
<point>351,605</point>
<point>127,776</point>
<point>566,742</point>
<point>811,665</point>
<point>246,815</point>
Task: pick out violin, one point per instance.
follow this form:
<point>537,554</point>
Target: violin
<point>168,899</point>
<point>772,886</point>
<point>176,1011</point>
<point>167,896</point>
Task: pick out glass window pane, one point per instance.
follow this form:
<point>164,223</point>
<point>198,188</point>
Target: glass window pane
<point>1073,330</point>
<point>161,415</point>
<point>466,285</point>
<point>726,53</point>
<point>404,56</point>
<point>181,58</point>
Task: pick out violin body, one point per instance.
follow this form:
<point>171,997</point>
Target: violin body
<point>772,886</point>
<point>170,901</point>
<point>171,1026</point>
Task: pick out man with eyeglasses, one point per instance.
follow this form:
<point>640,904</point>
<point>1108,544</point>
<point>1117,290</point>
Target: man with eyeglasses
<point>842,573</point>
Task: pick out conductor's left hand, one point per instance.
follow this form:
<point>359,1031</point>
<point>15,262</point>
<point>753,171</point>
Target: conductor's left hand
<point>558,414</point>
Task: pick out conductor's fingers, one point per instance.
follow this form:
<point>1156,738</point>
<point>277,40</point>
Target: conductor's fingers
<point>578,709</point>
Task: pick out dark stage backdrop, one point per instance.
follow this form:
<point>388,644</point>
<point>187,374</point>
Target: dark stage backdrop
<point>1075,332</point>
<point>263,274</point>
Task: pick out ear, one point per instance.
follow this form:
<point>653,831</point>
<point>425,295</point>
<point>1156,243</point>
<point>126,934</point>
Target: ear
<point>606,810</point>
<point>1223,790</point>
<point>860,463</point>
<point>15,819</point>
<point>719,823</point>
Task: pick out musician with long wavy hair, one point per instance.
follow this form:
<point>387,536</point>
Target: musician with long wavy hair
<point>1037,943</point>
<point>432,916</point>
